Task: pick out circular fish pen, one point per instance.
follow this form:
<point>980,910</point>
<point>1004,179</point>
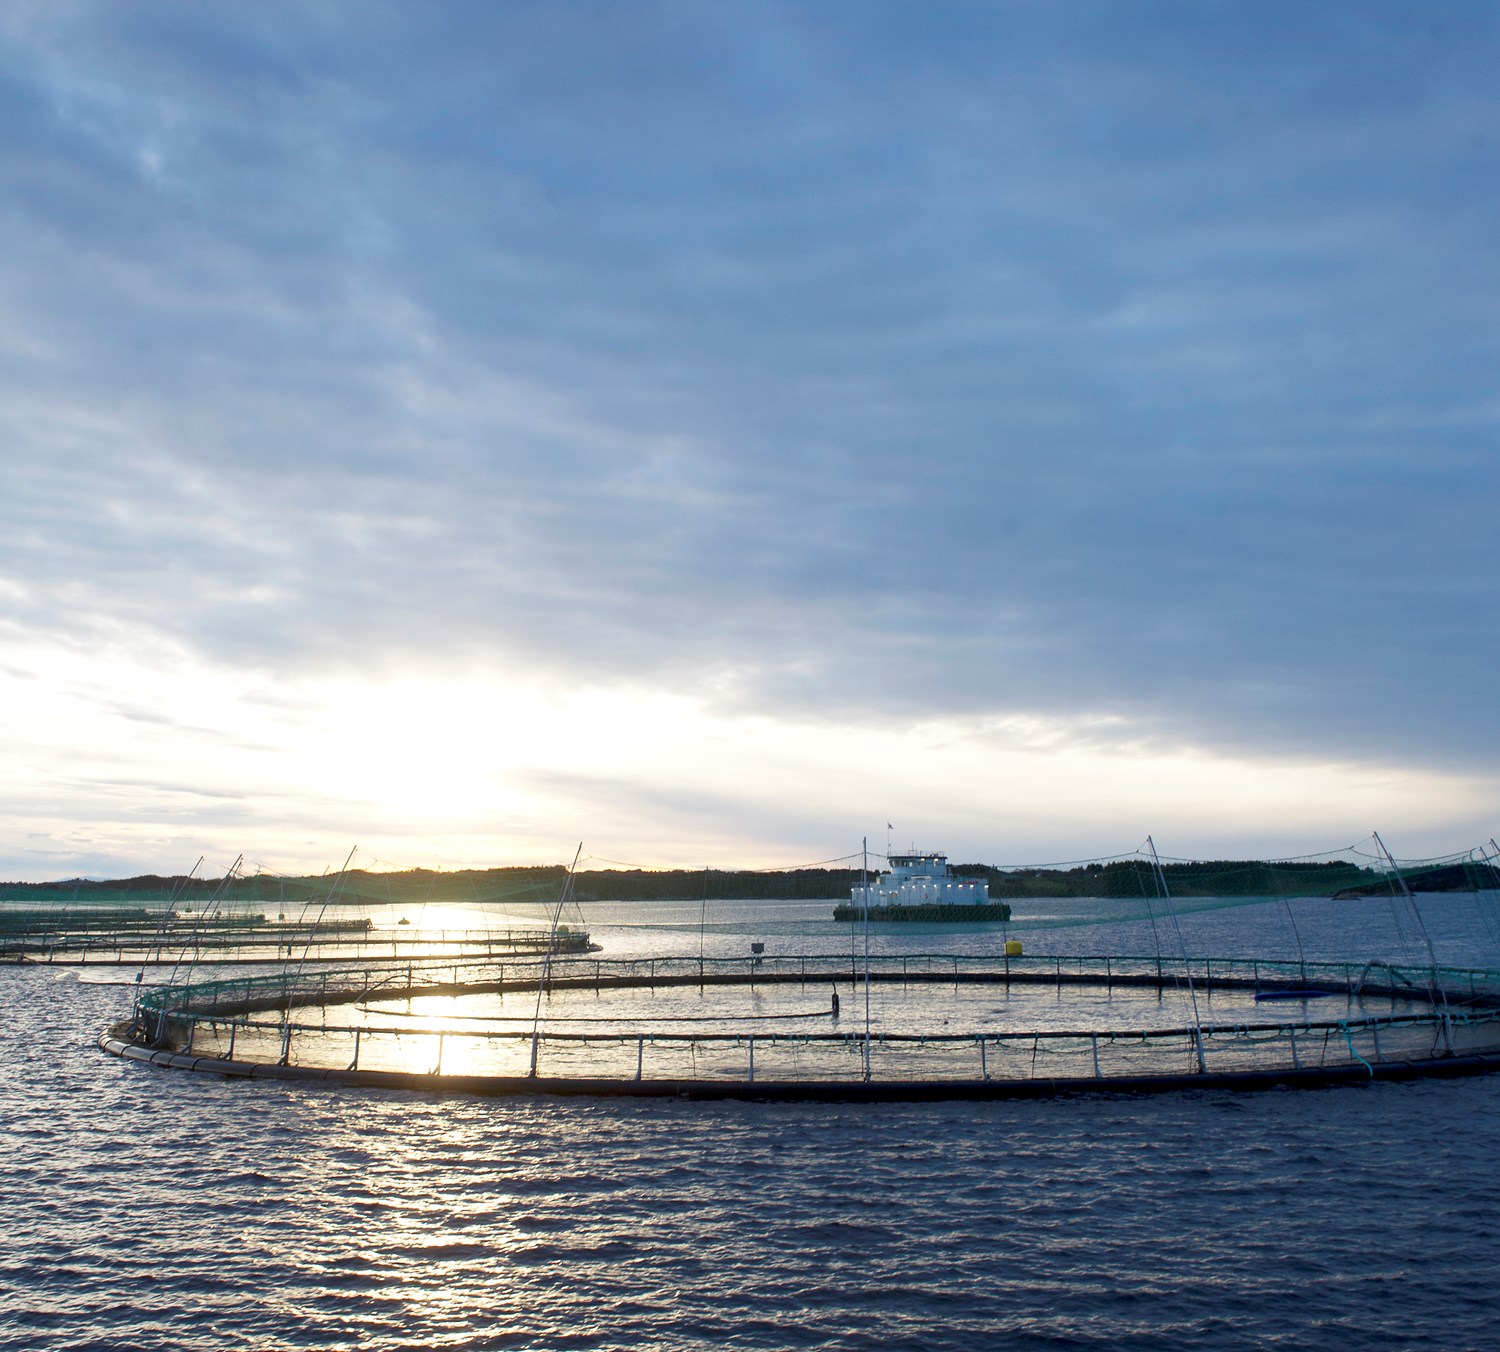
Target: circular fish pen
<point>822,1027</point>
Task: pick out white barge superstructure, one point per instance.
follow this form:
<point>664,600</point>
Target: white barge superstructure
<point>921,886</point>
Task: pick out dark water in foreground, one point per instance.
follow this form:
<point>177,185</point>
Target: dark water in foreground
<point>142,1208</point>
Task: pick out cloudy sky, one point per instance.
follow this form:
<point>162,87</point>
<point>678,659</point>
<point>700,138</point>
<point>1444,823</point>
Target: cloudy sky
<point>711,432</point>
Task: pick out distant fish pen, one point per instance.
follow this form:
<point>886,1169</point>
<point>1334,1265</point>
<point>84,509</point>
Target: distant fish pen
<point>546,1012</point>
<point>263,919</point>
<point>235,941</point>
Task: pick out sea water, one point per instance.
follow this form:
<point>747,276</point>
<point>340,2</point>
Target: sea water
<point>143,1208</point>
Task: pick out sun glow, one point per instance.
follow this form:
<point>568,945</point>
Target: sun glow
<point>168,760</point>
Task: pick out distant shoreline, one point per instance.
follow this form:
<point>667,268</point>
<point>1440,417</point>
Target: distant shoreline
<point>1131,878</point>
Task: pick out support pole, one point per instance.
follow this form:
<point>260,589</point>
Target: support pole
<point>1434,990</point>
<point>541,985</point>
<point>1187,967</point>
<point>864,875</point>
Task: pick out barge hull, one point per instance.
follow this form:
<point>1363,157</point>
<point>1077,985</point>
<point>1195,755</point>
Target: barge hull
<point>929,914</point>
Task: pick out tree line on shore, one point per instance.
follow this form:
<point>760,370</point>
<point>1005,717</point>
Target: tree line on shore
<point>540,884</point>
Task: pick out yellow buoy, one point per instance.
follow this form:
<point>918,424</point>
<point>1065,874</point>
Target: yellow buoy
<point>1012,948</point>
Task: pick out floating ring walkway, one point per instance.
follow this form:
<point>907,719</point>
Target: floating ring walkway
<point>940,1027</point>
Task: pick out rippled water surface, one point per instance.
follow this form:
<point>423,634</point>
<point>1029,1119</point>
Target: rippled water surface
<point>149,1208</point>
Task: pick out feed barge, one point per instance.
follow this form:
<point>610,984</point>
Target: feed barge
<point>921,888</point>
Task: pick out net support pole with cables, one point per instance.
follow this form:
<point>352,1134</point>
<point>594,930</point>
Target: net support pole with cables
<point>865,879</point>
<point>541,986</point>
<point>1187,967</point>
<point>1435,986</point>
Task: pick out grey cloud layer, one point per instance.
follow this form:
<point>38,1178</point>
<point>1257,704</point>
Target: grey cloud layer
<point>1131,358</point>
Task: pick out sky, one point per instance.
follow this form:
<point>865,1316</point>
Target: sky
<point>713,433</point>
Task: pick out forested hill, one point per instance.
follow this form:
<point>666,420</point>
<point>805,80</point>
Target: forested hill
<point>414,887</point>
<point>540,884</point>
